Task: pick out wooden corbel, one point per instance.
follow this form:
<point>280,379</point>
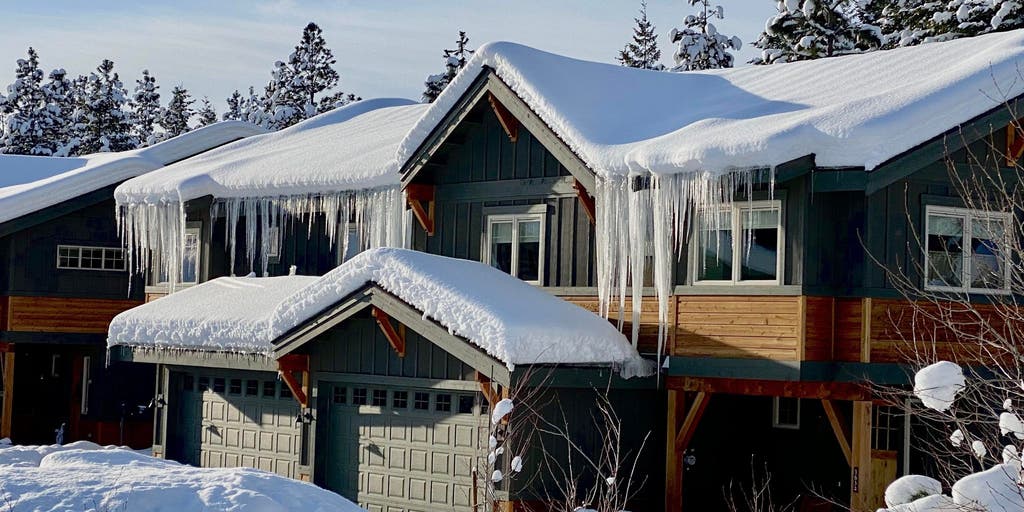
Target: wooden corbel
<point>586,201</point>
<point>287,367</point>
<point>509,123</point>
<point>1014,143</point>
<point>488,391</point>
<point>395,338</point>
<point>421,199</point>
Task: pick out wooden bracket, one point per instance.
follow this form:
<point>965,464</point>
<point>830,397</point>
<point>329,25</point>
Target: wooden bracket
<point>287,367</point>
<point>689,426</point>
<point>421,199</point>
<point>839,428</point>
<point>488,391</point>
<point>1014,143</point>
<point>509,123</point>
<point>586,201</point>
<point>395,338</point>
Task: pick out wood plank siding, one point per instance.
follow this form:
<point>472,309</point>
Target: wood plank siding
<point>62,314</point>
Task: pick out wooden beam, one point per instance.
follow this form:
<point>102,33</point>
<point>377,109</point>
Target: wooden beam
<point>839,428</point>
<point>509,123</point>
<point>794,389</point>
<point>487,389</point>
<point>689,426</point>
<point>1014,143</point>
<point>865,330</point>
<point>8,406</point>
<point>396,339</point>
<point>673,457</point>
<point>586,201</point>
<point>287,366</point>
<point>421,199</point>
<point>860,470</point>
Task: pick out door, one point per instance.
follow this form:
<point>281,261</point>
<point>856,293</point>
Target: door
<point>404,449</point>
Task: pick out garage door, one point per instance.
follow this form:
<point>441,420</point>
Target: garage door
<point>237,419</point>
<point>404,449</point>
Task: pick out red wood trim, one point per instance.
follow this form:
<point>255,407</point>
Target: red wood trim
<point>396,339</point>
<point>286,367</point>
<point>6,347</point>
<point>509,123</point>
<point>828,390</point>
<point>293,363</point>
<point>586,201</point>
<point>417,194</point>
<point>1014,143</point>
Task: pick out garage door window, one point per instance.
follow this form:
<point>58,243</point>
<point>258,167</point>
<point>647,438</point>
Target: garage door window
<point>380,398</point>
<point>218,385</point>
<point>340,395</point>
<point>444,403</point>
<point>422,401</point>
<point>269,389</point>
<point>235,387</point>
<point>286,393</point>
<point>400,400</point>
<point>252,387</point>
<point>359,396</point>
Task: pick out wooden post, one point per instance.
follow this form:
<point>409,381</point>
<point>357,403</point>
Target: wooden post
<point>673,458</point>
<point>8,405</point>
<point>860,468</point>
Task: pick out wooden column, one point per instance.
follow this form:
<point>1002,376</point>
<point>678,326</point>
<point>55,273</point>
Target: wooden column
<point>861,499</point>
<point>7,413</point>
<point>673,458</point>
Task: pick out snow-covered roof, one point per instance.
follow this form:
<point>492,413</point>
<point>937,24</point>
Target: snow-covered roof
<point>513,321</point>
<point>856,111</point>
<point>31,183</point>
<point>349,148</point>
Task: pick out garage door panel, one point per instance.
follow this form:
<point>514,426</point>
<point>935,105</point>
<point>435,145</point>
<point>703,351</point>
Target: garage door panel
<point>396,486</point>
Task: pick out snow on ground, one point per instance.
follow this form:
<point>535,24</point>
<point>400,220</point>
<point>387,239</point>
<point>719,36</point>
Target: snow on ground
<point>513,321</point>
<point>85,477</point>
<point>31,183</point>
<point>842,109</point>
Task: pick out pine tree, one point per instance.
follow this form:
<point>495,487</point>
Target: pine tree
<point>236,107</point>
<point>103,122</point>
<point>254,109</point>
<point>146,109</point>
<point>27,120</point>
<point>206,114</point>
<point>454,60</point>
<point>60,95</point>
<point>811,29</point>
<point>174,119</point>
<point>642,52</point>
<point>700,46</point>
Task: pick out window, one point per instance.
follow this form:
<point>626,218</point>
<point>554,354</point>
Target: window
<point>340,394</point>
<point>235,386</point>
<point>86,380</point>
<point>380,398</point>
<point>204,384</point>
<point>786,413</point>
<point>90,258</point>
<point>421,401</point>
<point>269,389</point>
<point>285,392</point>
<point>359,396</point>
<point>443,403</point>
<point>189,260</point>
<point>351,245</point>
<point>466,403</point>
<point>274,243</point>
<point>400,399</point>
<point>965,250</point>
<point>218,385</point>
<point>515,244</point>
<point>252,387</point>
<point>740,244</point>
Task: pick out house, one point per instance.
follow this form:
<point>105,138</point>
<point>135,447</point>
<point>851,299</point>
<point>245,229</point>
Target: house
<point>760,208</point>
<point>63,279</point>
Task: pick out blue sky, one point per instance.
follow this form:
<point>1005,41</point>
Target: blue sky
<point>384,48</point>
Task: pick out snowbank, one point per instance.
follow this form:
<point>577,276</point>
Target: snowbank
<point>31,183</point>
<point>513,321</point>
<point>85,477</point>
<point>340,162</point>
<point>910,488</point>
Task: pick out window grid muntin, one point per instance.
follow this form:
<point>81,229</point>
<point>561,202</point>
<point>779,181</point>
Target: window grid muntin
<point>515,220</point>
<point>84,257</point>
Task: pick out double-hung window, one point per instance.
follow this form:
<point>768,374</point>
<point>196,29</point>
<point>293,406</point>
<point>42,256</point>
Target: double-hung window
<point>966,250</point>
<point>189,266</point>
<point>515,244</point>
<point>740,244</point>
<point>90,258</point>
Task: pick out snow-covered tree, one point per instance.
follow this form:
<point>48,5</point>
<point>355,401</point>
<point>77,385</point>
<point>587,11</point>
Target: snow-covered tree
<point>206,115</point>
<point>103,122</point>
<point>236,107</point>
<point>174,119</point>
<point>910,22</point>
<point>254,108</point>
<point>60,93</point>
<point>642,51</point>
<point>454,60</point>
<point>699,45</point>
<point>27,120</point>
<point>146,109</point>
<point>811,29</point>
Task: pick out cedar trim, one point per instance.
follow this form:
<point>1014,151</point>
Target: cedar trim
<point>750,387</point>
<point>505,118</point>
<point>395,338</point>
<point>287,366</point>
<point>418,194</point>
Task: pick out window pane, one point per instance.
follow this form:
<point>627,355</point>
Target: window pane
<point>501,246</point>
<point>760,244</point>
<point>529,250</point>
<point>380,397</point>
<point>113,259</point>
<point>67,257</point>
<point>190,258</point>
<point>945,250</point>
<point>714,245</point>
<point>92,257</point>
<point>421,401</point>
<point>987,269</point>
<point>352,244</point>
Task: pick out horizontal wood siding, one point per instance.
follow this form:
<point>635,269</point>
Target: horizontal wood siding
<point>58,314</point>
<point>849,320</point>
<point>819,328</point>
<point>647,342</point>
<point>901,331</point>
<point>738,326</point>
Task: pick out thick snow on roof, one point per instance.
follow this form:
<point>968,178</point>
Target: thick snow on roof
<point>349,148</point>
<point>514,322</point>
<point>31,183</point>
<point>858,110</point>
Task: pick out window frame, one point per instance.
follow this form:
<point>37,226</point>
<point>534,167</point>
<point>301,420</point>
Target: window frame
<point>776,400</point>
<point>968,216</point>
<point>103,257</point>
<point>736,210</point>
<point>500,215</point>
<point>192,228</point>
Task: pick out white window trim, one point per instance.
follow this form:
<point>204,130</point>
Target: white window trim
<point>103,257</point>
<point>353,236</point>
<point>775,415</point>
<point>274,244</point>
<point>515,219</point>
<point>737,209</point>
<point>196,230</point>
<point>968,215</point>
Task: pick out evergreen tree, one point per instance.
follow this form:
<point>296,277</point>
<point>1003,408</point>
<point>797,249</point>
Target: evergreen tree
<point>700,46</point>
<point>206,113</point>
<point>811,29</point>
<point>454,60</point>
<point>103,122</point>
<point>254,108</point>
<point>146,109</point>
<point>60,100</point>
<point>27,120</point>
<point>174,119</point>
<point>910,22</point>
<point>236,107</point>
<point>642,52</point>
